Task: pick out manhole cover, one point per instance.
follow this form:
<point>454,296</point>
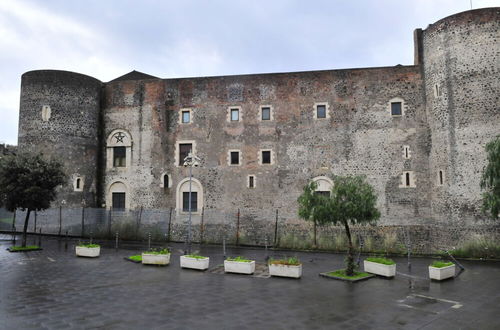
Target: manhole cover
<point>428,304</point>
<point>261,270</point>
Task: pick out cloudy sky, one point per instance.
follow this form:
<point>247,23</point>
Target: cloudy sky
<point>185,38</point>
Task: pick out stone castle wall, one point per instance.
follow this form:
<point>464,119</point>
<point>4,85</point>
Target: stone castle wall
<point>60,116</point>
<point>461,60</point>
<point>445,130</point>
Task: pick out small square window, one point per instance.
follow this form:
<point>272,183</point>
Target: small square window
<point>235,114</point>
<point>266,113</point>
<point>266,157</point>
<point>321,111</point>
<point>186,117</point>
<point>396,109</point>
<point>235,157</point>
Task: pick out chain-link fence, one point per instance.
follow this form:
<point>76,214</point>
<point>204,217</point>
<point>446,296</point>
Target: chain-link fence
<point>256,227</point>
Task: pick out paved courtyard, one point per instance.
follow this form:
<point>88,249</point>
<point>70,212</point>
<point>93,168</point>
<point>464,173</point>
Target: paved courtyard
<point>53,289</point>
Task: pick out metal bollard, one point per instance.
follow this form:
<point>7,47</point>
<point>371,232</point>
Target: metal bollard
<point>116,241</point>
<point>149,241</point>
<point>90,237</point>
<point>40,237</point>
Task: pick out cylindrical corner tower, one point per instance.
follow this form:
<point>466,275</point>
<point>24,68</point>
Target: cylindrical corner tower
<point>461,59</point>
<point>60,116</point>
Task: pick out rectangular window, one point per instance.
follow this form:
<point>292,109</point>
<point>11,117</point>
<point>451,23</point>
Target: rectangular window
<point>251,181</point>
<point>323,193</point>
<point>396,109</point>
<point>321,111</point>
<point>266,113</point>
<point>118,201</point>
<point>266,157</point>
<point>194,201</point>
<point>235,158</point>
<point>186,117</point>
<point>235,114</point>
<point>184,150</point>
<point>119,156</point>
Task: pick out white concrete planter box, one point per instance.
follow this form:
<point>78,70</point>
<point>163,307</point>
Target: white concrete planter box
<point>380,269</point>
<point>239,267</point>
<point>155,259</point>
<point>294,271</point>
<point>195,263</point>
<point>441,273</point>
<point>91,252</point>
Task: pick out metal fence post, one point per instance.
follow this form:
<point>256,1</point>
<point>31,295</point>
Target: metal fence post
<point>169,224</point>
<point>60,220</point>
<point>315,235</point>
<point>83,221</point>
<point>109,222</point>
<point>14,228</point>
<point>14,221</point>
<point>138,224</point>
<point>238,228</point>
<point>202,228</point>
<point>276,230</point>
<point>116,241</point>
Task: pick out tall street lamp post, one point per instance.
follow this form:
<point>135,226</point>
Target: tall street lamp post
<point>190,161</point>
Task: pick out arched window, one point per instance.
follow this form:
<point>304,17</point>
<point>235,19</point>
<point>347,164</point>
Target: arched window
<point>166,181</point>
<point>78,183</point>
<point>440,178</point>
<point>408,180</point>
<point>117,198</point>
<point>323,185</point>
<point>118,149</point>
<point>183,197</point>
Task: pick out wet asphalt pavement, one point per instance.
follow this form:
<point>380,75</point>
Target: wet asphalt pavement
<point>53,289</point>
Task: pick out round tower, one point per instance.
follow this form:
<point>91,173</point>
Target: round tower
<point>60,116</point>
<point>461,70</point>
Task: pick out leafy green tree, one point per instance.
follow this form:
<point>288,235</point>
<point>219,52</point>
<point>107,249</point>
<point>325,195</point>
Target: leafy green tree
<point>490,180</point>
<point>28,182</point>
<point>351,201</point>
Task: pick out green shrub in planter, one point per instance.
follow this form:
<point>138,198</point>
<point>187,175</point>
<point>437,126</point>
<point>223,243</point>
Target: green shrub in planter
<point>441,264</point>
<point>380,260</point>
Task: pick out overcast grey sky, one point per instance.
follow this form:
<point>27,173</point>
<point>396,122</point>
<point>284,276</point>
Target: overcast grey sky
<point>185,38</point>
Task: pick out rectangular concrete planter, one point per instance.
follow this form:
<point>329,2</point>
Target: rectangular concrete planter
<point>442,273</point>
<point>294,271</point>
<point>239,267</point>
<point>155,259</point>
<point>195,263</point>
<point>90,252</point>
<point>380,269</point>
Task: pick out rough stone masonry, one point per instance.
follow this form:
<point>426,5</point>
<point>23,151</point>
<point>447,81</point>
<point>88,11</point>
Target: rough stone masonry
<point>417,131</point>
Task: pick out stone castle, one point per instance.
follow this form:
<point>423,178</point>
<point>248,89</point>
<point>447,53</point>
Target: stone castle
<point>416,131</point>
